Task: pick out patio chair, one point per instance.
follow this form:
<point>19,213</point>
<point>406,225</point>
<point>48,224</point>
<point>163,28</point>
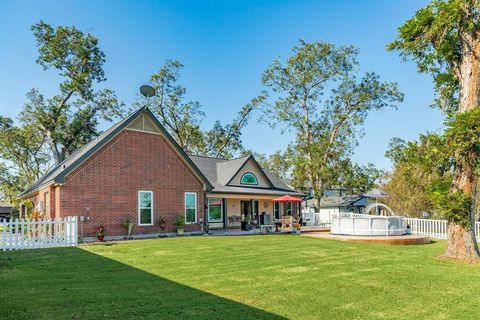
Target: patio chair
<point>287,222</point>
<point>233,221</point>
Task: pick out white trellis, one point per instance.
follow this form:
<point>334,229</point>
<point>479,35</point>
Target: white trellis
<point>43,233</point>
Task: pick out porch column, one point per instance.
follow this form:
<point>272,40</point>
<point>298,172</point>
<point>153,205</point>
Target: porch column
<point>224,213</point>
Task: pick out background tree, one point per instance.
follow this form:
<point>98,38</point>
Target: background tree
<point>183,118</point>
<point>409,182</point>
<point>224,141</point>
<point>359,179</point>
<point>444,40</point>
<point>69,119</point>
<point>23,157</point>
<point>321,98</point>
<point>279,162</point>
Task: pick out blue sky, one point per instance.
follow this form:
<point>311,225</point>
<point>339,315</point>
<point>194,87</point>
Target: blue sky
<point>225,46</point>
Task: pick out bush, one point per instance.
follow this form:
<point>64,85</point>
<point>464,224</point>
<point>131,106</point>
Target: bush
<point>179,221</point>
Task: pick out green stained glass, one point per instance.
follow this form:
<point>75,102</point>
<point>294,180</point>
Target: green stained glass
<point>248,178</point>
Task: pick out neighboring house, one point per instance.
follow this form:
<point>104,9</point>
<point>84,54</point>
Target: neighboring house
<point>135,169</point>
<point>335,204</point>
<point>5,210</point>
<point>307,189</point>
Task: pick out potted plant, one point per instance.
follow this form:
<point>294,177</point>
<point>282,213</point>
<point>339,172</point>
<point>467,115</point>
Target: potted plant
<point>128,225</point>
<point>161,223</point>
<point>248,222</point>
<point>179,224</point>
<point>100,233</point>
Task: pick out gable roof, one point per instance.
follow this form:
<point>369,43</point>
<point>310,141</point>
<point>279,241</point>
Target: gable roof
<point>226,170</point>
<point>245,160</point>
<point>58,173</point>
<point>221,171</point>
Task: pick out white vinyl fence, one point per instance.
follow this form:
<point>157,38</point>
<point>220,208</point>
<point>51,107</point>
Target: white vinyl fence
<point>437,229</point>
<point>33,234</point>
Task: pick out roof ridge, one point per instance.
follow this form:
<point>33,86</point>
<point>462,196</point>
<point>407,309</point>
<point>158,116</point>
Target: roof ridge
<point>209,157</point>
<point>217,158</point>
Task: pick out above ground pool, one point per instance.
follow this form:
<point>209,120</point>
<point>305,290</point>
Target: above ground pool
<point>367,225</point>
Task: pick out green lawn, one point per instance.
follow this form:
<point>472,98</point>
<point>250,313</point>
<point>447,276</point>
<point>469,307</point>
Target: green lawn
<point>248,277</point>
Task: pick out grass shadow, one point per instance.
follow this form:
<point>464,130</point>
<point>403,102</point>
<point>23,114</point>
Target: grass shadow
<point>71,283</point>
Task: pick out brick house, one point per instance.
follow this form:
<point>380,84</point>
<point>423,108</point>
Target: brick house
<point>135,169</point>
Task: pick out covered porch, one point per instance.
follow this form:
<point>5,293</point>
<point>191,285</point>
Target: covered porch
<point>244,211</point>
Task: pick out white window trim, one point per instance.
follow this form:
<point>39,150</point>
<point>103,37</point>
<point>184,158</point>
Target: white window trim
<point>185,205</point>
<point>291,208</point>
<point>221,211</point>
<point>139,207</point>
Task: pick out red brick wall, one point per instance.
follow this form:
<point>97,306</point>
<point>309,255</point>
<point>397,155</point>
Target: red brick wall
<point>40,196</point>
<point>108,183</point>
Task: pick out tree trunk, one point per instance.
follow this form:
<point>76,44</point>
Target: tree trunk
<point>462,243</point>
<point>59,157</point>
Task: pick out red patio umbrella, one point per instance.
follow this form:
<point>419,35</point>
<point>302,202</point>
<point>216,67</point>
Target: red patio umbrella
<point>287,199</point>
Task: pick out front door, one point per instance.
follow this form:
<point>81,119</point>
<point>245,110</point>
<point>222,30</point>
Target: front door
<point>246,211</point>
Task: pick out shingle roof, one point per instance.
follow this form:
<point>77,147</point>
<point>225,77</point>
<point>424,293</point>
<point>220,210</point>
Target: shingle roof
<point>336,201</point>
<point>57,173</point>
<point>215,172</point>
<point>5,207</point>
<point>220,171</point>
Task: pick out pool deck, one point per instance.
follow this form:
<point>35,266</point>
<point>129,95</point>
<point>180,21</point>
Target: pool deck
<point>394,240</point>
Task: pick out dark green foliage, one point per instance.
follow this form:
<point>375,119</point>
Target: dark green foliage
<point>429,164</point>
<point>69,119</point>
<point>433,38</point>
<point>453,206</point>
<point>23,157</point>
<point>359,179</point>
<point>463,137</point>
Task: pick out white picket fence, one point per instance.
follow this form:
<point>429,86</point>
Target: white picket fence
<point>33,234</point>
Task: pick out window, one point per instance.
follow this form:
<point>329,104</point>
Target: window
<point>215,210</point>
<point>248,178</point>
<point>145,208</point>
<point>276,210</point>
<point>46,199</point>
<point>289,208</point>
<point>190,207</point>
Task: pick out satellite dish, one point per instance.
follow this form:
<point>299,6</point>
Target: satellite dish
<point>147,91</point>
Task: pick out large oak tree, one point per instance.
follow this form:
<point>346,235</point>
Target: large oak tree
<point>444,40</point>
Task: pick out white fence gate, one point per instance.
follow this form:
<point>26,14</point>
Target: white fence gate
<point>32,234</point>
